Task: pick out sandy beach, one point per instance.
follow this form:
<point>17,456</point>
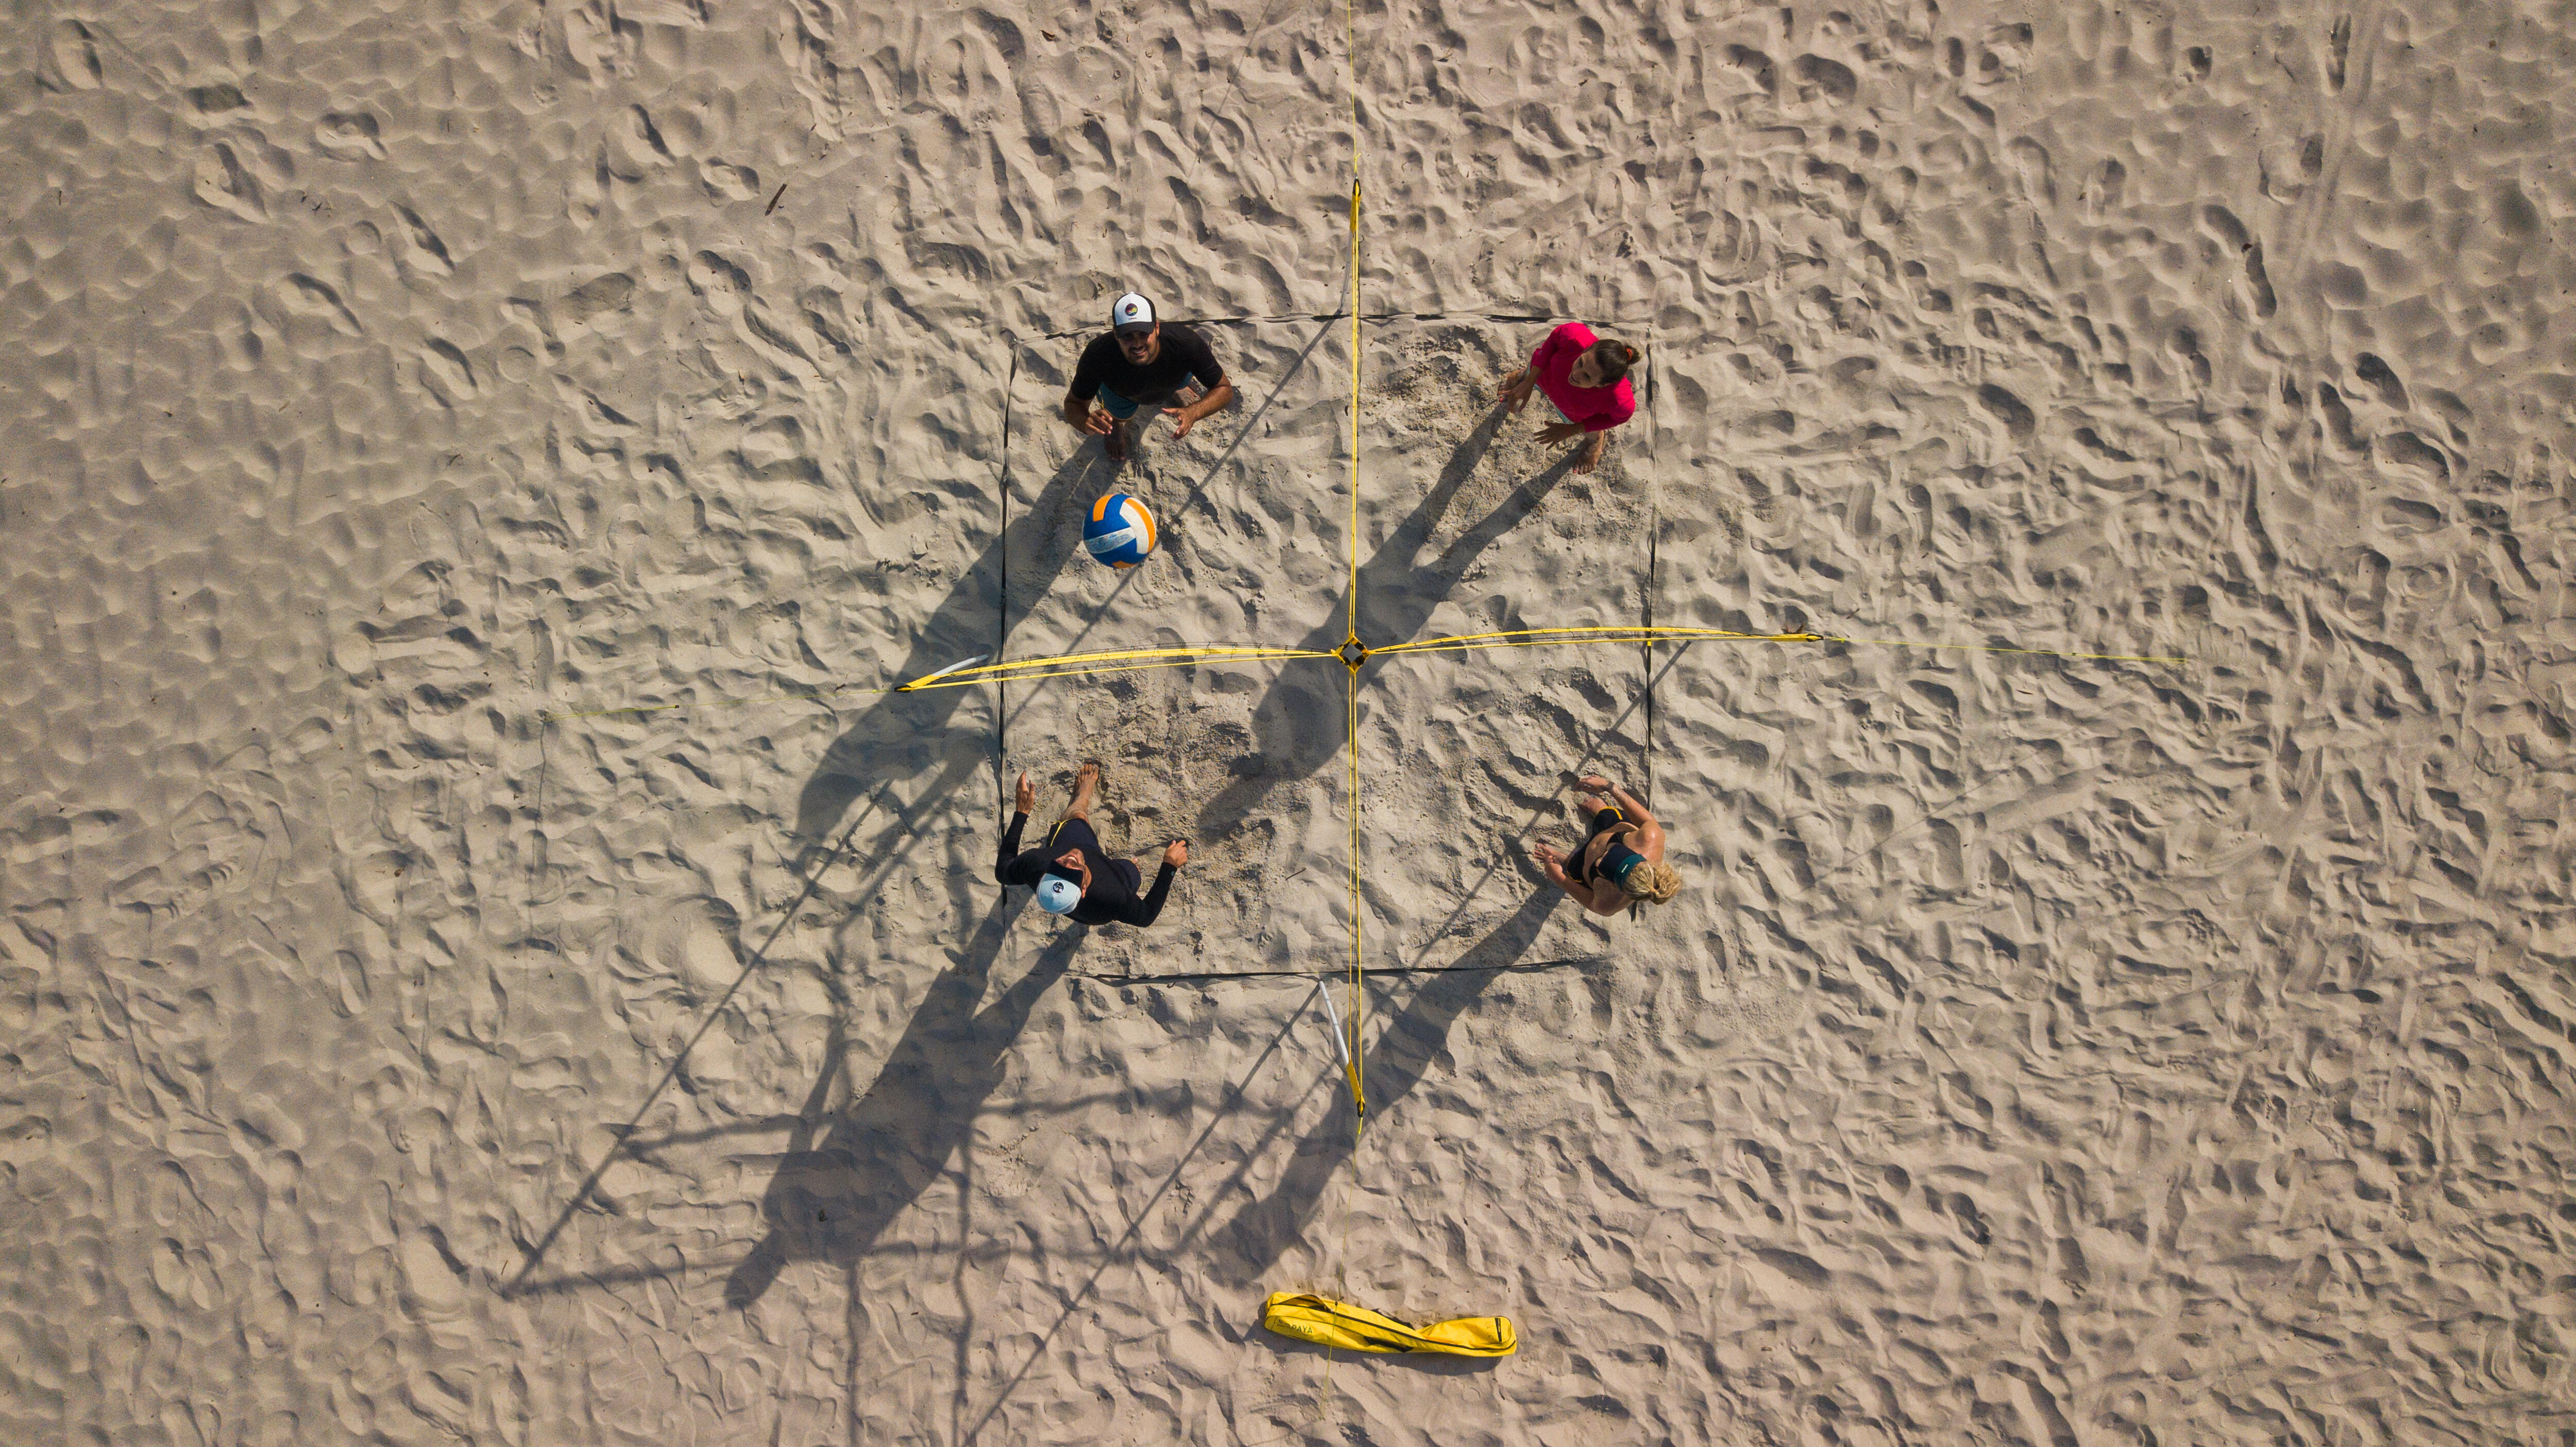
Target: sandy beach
<point>485,961</point>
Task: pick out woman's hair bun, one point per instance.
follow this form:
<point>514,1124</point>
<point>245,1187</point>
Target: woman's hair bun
<point>1616,357</point>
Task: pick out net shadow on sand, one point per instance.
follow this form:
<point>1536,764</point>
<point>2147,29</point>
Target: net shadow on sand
<point>845,1175</point>
<point>908,735</point>
<point>899,736</point>
<point>882,855</point>
<point>1412,1040</point>
<point>1398,588</point>
<point>840,1185</point>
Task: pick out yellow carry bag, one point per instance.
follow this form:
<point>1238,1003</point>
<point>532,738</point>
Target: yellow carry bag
<point>1356,1328</point>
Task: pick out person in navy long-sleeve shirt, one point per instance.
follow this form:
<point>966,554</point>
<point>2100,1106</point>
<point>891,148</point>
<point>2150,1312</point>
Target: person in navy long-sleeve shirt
<point>1071,875</point>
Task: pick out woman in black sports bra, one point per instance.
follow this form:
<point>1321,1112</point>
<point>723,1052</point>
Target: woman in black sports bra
<point>1621,861</point>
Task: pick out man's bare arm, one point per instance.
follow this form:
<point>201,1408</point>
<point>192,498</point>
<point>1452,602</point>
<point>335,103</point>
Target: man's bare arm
<point>1080,415</point>
<point>1209,401</point>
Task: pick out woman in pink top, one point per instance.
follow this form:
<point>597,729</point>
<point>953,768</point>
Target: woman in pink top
<point>1587,379</point>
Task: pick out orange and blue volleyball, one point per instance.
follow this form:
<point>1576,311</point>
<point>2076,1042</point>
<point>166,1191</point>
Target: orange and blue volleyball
<point>1120,531</point>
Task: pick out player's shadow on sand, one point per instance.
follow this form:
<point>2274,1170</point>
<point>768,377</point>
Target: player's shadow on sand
<point>908,735</point>
<point>1398,586</point>
<point>835,1193</point>
<point>847,1175</point>
<point>1246,1247</point>
<point>879,856</point>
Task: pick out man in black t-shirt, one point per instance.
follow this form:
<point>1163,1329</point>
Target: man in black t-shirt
<point>1141,363</point>
<point>1071,875</point>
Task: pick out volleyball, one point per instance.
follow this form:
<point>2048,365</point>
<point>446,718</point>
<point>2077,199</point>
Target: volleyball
<point>1120,532</point>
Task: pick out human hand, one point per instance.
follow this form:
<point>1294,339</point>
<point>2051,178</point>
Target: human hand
<point>1026,800</point>
<point>1099,423</point>
<point>1594,784</point>
<point>1561,432</point>
<point>1548,858</point>
<point>1177,853</point>
<point>1182,422</point>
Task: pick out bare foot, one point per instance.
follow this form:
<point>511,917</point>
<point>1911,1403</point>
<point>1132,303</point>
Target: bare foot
<point>1086,788</point>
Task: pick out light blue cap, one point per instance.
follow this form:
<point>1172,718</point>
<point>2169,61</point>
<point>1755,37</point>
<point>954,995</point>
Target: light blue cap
<point>1057,894</point>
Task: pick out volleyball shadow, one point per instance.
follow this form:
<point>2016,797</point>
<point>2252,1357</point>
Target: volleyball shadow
<point>1415,1040</point>
<point>1398,587</point>
<point>907,734</point>
<point>845,1176</point>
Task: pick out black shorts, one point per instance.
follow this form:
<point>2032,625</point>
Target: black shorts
<point>1603,818</point>
<point>1609,816</point>
<point>1077,834</point>
<point>1074,834</point>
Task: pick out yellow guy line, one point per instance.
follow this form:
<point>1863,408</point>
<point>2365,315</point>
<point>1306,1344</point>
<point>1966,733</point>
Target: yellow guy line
<point>1138,660</point>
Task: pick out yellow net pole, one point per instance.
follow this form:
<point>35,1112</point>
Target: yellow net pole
<point>1353,621</point>
<point>1353,651</point>
<point>1351,1057</point>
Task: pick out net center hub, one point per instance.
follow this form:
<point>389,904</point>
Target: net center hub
<point>1353,653</point>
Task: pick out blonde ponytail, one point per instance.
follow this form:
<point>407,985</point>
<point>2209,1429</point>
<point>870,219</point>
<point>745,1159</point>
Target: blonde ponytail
<point>1654,883</point>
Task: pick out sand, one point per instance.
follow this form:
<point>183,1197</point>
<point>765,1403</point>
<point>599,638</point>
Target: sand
<point>2042,1051</point>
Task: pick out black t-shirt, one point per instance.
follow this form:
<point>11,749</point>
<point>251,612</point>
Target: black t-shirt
<point>1184,353</point>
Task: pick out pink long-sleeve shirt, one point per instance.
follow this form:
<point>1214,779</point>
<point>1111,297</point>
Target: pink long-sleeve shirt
<point>1598,408</point>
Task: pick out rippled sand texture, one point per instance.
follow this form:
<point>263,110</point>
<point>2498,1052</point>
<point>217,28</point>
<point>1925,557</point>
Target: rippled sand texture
<point>2043,1052</point>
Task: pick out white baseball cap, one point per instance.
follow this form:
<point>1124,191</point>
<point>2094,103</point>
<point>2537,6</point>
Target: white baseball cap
<point>1057,894</point>
<point>1131,313</point>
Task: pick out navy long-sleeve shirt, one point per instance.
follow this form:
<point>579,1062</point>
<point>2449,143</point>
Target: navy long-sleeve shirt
<point>1112,897</point>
